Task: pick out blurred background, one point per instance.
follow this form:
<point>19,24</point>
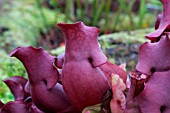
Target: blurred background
<point>123,25</point>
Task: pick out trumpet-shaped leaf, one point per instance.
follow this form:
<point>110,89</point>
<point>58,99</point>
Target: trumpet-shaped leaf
<point>46,93</point>
<point>83,82</point>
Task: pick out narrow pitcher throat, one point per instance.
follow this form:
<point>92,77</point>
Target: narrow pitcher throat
<point>74,47</point>
<point>72,56</point>
<point>166,8</point>
<point>35,80</point>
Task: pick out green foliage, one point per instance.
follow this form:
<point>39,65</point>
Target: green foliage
<point>141,12</point>
<point>58,51</point>
<point>26,23</point>
<point>102,15</point>
<point>97,13</point>
<point>155,2</point>
<point>67,10</point>
<point>92,109</point>
<point>122,22</point>
<point>126,37</point>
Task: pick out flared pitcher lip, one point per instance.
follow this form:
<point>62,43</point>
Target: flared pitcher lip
<point>79,23</point>
<point>69,24</point>
<point>164,22</point>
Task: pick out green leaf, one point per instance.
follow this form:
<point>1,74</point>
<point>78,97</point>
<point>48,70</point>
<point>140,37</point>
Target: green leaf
<point>92,109</point>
